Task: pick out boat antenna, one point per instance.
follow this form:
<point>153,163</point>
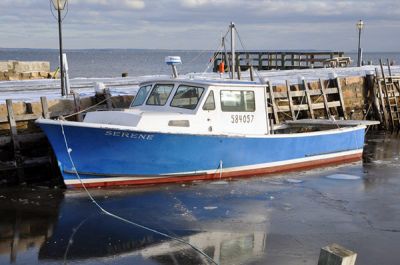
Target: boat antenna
<point>233,70</point>
<point>173,61</point>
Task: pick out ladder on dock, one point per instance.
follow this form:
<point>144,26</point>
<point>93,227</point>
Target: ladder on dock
<point>390,97</point>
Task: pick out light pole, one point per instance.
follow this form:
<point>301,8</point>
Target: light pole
<point>59,5</point>
<point>360,25</point>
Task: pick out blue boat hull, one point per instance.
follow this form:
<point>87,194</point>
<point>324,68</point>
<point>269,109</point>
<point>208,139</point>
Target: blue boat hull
<point>116,156</point>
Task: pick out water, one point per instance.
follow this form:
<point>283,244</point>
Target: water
<point>278,219</point>
<point>113,62</point>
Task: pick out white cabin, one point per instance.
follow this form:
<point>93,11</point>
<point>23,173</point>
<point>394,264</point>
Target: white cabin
<point>214,107</point>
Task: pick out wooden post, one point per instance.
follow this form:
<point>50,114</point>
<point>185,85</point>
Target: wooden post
<point>335,254</point>
<point>339,87</point>
<point>383,72</point>
<point>289,95</point>
<point>293,67</point>
<point>107,94</point>
<point>45,108</point>
<point>15,142</point>
<point>273,106</point>
<point>390,70</point>
<point>382,100</point>
<point>373,100</point>
<point>328,113</point>
<point>251,73</point>
<point>306,90</point>
<point>239,72</point>
<point>77,102</point>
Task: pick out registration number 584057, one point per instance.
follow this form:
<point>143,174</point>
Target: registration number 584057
<point>239,118</point>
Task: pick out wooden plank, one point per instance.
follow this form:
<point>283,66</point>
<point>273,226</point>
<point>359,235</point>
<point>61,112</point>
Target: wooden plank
<point>273,104</point>
<point>301,93</point>
<point>45,108</point>
<point>289,96</point>
<point>314,106</point>
<point>341,99</point>
<point>21,117</point>
<point>14,139</point>
<point>328,113</point>
<point>77,103</point>
<point>309,102</point>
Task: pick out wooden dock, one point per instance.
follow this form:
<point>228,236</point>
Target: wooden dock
<point>24,147</point>
<point>282,60</point>
<point>300,101</point>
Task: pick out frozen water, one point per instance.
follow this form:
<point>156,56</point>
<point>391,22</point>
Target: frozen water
<point>295,181</point>
<point>343,177</point>
<point>219,182</point>
<point>210,207</point>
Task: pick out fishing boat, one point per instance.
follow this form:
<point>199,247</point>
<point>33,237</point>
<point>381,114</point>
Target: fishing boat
<point>184,129</point>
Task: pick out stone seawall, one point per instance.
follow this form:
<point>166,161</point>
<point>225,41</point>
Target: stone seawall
<point>23,70</point>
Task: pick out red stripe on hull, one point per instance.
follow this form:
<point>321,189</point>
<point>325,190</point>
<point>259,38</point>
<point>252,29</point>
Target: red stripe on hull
<point>233,174</point>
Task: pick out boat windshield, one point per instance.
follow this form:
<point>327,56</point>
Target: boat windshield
<point>141,96</point>
<point>160,94</point>
<point>187,97</point>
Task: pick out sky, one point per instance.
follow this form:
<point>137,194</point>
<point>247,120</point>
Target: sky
<point>199,24</point>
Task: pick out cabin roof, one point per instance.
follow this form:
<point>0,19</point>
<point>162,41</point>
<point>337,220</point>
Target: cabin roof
<point>205,82</point>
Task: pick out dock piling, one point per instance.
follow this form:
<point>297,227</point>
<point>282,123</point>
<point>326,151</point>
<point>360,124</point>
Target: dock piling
<point>15,141</point>
<point>335,254</point>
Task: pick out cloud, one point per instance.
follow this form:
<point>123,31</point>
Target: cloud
<point>114,4</point>
<point>198,3</point>
<point>198,24</point>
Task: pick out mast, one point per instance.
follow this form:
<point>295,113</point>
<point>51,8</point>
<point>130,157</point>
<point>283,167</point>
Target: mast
<point>233,66</point>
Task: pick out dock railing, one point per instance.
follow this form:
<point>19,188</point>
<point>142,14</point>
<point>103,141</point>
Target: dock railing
<point>282,60</point>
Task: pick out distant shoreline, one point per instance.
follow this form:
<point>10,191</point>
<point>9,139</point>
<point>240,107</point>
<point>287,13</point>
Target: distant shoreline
<point>178,50</point>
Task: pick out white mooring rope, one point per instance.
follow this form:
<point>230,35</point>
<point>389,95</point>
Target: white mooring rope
<point>69,150</point>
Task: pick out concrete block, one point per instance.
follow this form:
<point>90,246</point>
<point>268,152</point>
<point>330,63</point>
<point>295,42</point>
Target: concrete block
<point>35,75</point>
<point>44,74</point>
<point>11,66</point>
<point>3,75</point>
<point>24,76</point>
<point>335,254</point>
<point>21,67</point>
<point>3,66</point>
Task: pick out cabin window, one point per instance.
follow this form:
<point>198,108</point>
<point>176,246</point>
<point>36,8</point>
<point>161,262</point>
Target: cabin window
<point>159,95</point>
<point>210,102</point>
<point>141,96</point>
<point>237,101</point>
<point>187,97</point>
